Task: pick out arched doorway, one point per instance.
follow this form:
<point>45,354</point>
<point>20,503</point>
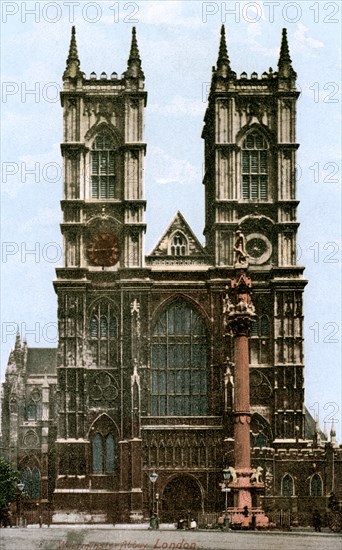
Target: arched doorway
<point>181,497</point>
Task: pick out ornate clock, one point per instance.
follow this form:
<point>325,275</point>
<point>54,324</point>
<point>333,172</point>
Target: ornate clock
<point>103,249</point>
<point>259,248</point>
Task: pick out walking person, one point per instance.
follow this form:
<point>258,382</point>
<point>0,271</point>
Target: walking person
<point>316,520</point>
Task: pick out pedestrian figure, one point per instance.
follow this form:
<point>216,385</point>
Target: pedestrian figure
<point>193,524</point>
<point>316,520</point>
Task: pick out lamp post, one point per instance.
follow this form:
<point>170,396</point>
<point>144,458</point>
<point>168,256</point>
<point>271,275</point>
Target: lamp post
<point>154,518</point>
<point>226,489</point>
<point>21,487</point>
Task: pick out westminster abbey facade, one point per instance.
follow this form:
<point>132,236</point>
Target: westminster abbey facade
<point>142,381</point>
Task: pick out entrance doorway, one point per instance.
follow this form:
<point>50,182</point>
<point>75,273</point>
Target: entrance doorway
<point>181,498</point>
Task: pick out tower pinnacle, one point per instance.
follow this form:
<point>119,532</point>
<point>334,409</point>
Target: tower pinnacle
<point>285,62</point>
<point>72,63</point>
<point>223,65</point>
<point>134,62</point>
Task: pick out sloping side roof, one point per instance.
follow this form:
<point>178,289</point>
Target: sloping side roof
<point>40,360</point>
<point>178,224</point>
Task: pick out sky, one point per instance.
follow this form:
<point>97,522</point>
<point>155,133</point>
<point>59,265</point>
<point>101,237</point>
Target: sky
<point>178,42</point>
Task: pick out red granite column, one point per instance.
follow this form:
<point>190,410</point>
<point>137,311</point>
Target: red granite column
<point>239,314</point>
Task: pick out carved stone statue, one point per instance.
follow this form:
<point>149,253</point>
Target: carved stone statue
<point>256,474</point>
<point>241,255</point>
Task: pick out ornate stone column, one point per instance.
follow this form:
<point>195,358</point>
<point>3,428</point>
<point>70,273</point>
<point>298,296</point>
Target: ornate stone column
<point>239,314</point>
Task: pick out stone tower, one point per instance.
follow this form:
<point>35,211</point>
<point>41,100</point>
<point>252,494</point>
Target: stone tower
<point>250,185</point>
<point>103,229</point>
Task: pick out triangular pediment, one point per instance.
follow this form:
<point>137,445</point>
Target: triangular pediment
<point>178,242</point>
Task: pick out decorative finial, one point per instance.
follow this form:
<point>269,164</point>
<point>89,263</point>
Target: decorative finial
<point>72,63</point>
<point>333,433</point>
<point>134,62</point>
<point>223,65</point>
<point>285,68</point>
<point>17,340</point>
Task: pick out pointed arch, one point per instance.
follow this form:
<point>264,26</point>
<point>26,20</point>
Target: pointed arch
<point>316,485</point>
<point>104,128</point>
<point>255,162</point>
<point>287,486</point>
<point>178,244</point>
<point>103,436</point>
<point>260,432</point>
<point>179,361</point>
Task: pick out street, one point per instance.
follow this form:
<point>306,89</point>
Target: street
<point>135,538</point>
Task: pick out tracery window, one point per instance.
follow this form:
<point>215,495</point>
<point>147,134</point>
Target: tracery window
<point>254,167</point>
<point>179,358</point>
<point>316,486</point>
<point>103,451</point>
<point>103,167</point>
<point>103,333</point>
<point>32,482</point>
<point>178,244</point>
<point>287,486</point>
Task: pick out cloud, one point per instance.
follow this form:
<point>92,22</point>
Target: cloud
<point>166,169</point>
<point>302,41</point>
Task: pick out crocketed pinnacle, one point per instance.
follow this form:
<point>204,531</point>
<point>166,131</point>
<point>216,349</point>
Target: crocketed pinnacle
<point>17,345</point>
<point>72,63</point>
<point>285,63</point>
<point>134,62</point>
<point>223,59</point>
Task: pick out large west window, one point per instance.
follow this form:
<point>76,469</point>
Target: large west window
<point>254,167</point>
<point>179,359</point>
<point>103,167</point>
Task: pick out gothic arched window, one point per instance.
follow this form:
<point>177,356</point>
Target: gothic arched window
<point>178,244</point>
<point>254,167</point>
<point>179,360</point>
<point>103,333</point>
<point>103,451</point>
<point>103,167</point>
<point>287,486</point>
<point>316,486</point>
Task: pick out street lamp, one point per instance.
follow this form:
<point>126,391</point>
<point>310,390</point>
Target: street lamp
<point>154,517</point>
<point>21,487</point>
<point>226,489</point>
<point>153,479</point>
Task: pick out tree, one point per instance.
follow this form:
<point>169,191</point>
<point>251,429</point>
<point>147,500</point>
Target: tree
<point>8,484</point>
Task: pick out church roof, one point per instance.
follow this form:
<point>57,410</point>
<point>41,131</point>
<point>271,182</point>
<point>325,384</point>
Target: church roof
<point>194,247</point>
<point>41,360</point>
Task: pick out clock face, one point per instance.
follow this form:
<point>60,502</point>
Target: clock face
<point>103,249</point>
<point>259,248</point>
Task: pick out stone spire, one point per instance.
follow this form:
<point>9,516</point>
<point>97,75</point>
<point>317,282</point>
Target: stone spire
<point>72,63</point>
<point>223,65</point>
<point>134,62</point>
<point>285,68</point>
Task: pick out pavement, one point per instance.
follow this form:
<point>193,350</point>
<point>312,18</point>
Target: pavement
<point>140,537</point>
